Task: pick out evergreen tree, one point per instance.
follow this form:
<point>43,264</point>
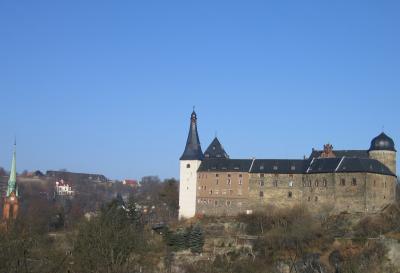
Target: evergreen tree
<point>196,239</point>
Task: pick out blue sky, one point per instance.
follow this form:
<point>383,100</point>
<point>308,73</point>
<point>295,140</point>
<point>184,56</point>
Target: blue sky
<point>108,86</point>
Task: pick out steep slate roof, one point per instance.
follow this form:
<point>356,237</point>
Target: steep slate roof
<point>296,166</point>
<point>192,149</point>
<point>341,153</point>
<point>225,165</point>
<point>279,166</point>
<point>348,165</point>
<point>215,150</point>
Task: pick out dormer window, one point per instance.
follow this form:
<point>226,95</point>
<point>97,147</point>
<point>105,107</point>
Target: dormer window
<point>293,168</point>
<point>261,167</point>
<point>275,168</point>
<point>213,148</point>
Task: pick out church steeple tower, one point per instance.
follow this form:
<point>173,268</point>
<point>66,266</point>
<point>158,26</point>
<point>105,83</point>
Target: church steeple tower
<point>189,163</point>
<point>193,148</point>
<point>10,209</point>
<point>12,181</point>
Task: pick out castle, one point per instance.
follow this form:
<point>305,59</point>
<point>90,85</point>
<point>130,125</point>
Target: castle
<point>332,180</point>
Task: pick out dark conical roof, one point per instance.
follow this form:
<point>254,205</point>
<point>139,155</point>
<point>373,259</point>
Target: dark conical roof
<point>382,142</point>
<point>193,148</point>
<point>215,150</point>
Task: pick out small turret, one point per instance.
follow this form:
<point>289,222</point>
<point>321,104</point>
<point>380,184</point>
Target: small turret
<point>383,149</point>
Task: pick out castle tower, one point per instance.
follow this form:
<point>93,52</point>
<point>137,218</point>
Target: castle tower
<point>189,163</point>
<point>382,149</point>
<point>10,209</point>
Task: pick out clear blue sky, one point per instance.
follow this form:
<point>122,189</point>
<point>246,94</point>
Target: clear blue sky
<point>108,86</point>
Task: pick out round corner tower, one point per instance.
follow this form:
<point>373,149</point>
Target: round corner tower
<point>383,149</point>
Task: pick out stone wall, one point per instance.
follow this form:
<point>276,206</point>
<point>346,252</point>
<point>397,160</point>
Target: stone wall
<point>281,190</point>
<point>222,193</point>
<point>320,192</point>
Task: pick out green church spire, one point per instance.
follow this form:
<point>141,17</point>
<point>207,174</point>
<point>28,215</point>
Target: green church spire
<point>12,181</point>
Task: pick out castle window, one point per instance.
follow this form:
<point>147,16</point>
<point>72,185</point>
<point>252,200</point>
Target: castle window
<point>262,183</point>
<point>316,183</point>
<point>261,175</point>
<point>228,181</point>
<point>275,183</point>
<point>188,166</point>
<point>316,198</point>
<point>216,203</point>
<point>354,182</point>
<point>211,192</point>
<point>240,182</point>
<point>229,175</point>
<point>342,182</point>
<point>261,194</point>
<point>385,184</point>
<point>324,182</point>
<point>290,194</point>
<point>240,175</point>
<point>216,182</point>
<point>290,183</point>
<point>309,199</point>
<point>216,175</point>
<point>228,203</point>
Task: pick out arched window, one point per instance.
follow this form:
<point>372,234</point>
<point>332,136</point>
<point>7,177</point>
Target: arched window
<point>316,182</point>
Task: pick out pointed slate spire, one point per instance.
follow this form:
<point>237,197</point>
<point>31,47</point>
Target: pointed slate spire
<point>12,181</point>
<point>215,150</point>
<point>193,149</point>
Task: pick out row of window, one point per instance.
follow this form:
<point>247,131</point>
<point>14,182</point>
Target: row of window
<point>227,203</point>
<point>224,191</point>
<point>229,181</point>
<point>290,195</point>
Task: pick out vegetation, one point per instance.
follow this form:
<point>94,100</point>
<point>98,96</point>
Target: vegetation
<point>140,232</point>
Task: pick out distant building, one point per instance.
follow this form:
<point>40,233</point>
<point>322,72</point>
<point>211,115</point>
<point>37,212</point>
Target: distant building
<point>62,188</point>
<point>332,180</point>
<point>131,182</point>
<point>71,176</point>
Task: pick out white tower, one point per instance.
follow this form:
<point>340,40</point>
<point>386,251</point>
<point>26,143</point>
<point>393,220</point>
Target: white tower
<point>189,163</point>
